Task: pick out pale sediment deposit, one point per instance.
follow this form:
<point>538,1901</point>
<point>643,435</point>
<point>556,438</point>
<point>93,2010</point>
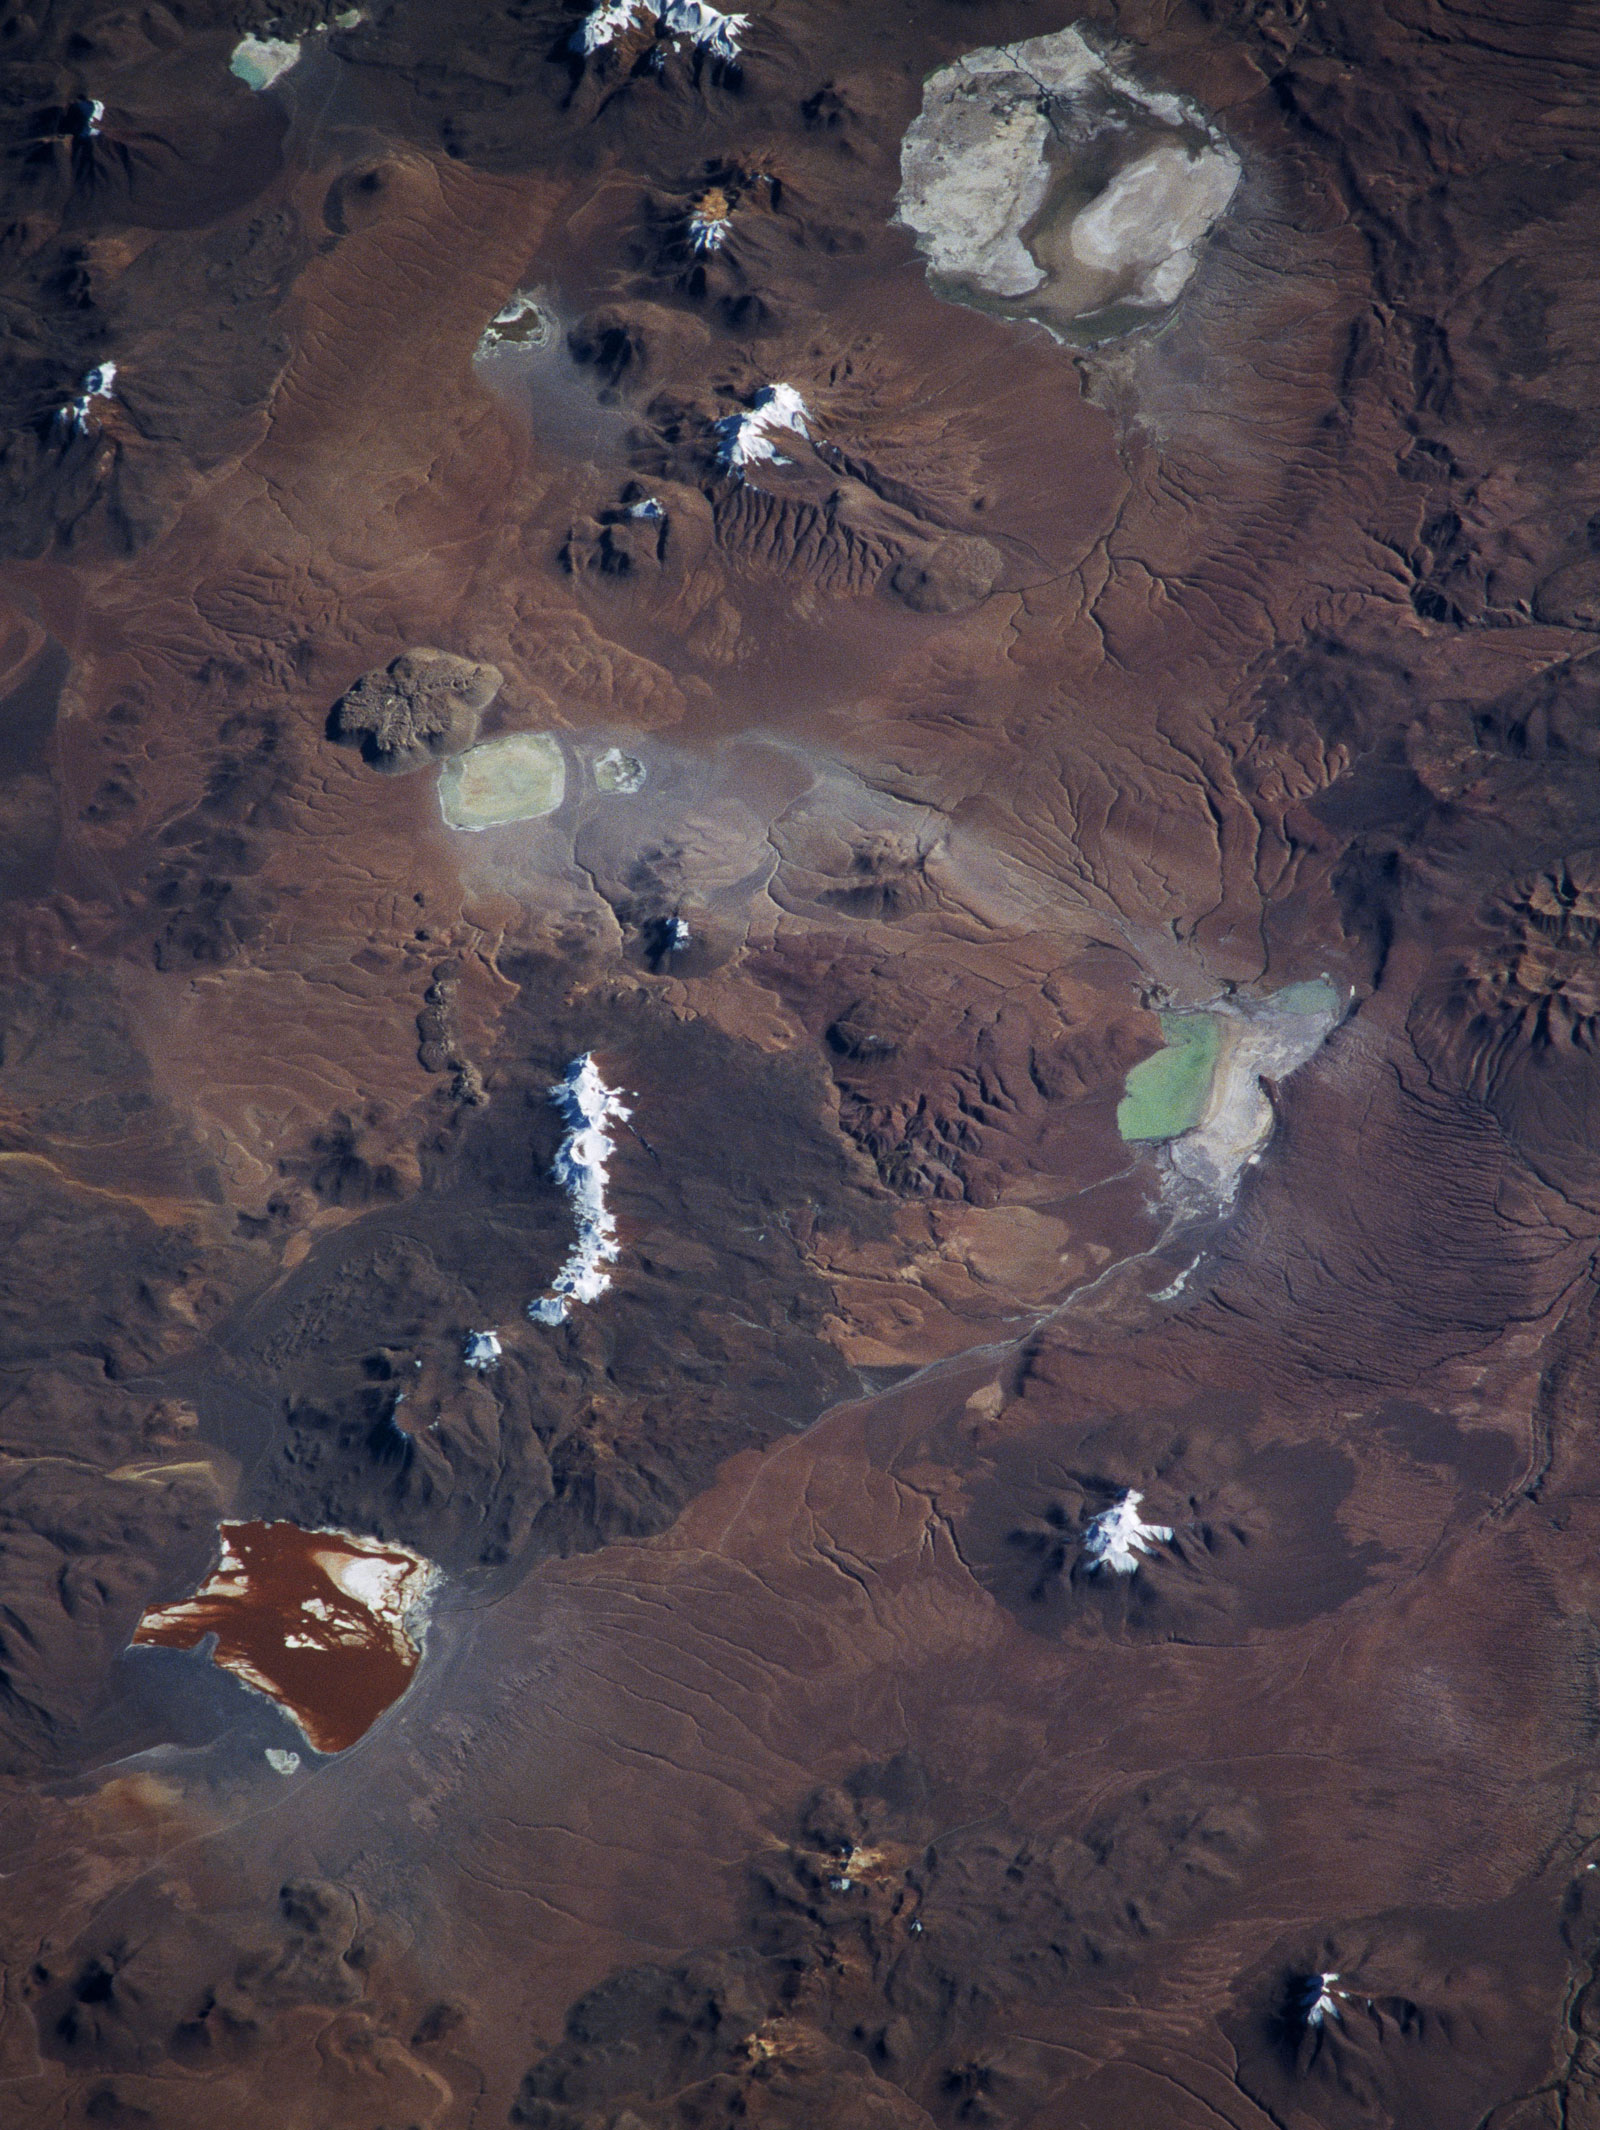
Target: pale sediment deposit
<point>1044,181</point>
<point>617,771</point>
<point>519,777</point>
<point>522,321</point>
<point>1261,1040</point>
<point>1150,218</point>
<point>260,61</point>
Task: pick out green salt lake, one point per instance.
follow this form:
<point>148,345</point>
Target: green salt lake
<point>1166,1094</point>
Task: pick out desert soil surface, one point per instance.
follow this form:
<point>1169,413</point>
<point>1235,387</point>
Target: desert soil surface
<point>838,581</point>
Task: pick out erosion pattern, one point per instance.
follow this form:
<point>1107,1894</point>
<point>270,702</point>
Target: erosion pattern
<point>778,1753</point>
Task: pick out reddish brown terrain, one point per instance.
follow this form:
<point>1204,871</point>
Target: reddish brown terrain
<point>777,1756</point>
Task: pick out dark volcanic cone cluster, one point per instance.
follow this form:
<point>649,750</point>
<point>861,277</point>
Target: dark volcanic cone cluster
<point>864,725</point>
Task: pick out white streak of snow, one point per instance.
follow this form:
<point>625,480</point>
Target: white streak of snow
<point>1321,1999</point>
<point>708,232</point>
<point>580,1167</point>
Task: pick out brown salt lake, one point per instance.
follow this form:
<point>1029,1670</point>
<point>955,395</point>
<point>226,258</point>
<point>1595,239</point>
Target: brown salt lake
<point>322,1622</point>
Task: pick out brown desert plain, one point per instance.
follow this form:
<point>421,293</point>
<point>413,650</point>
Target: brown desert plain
<point>800,1065</point>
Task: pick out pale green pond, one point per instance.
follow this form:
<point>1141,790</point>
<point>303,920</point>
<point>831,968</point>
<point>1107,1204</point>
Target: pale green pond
<point>258,61</point>
<point>1305,998</point>
<point>516,778</point>
<point>1166,1094</point>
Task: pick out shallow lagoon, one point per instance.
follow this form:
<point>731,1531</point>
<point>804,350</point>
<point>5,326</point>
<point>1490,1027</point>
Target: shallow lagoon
<point>519,777</point>
<point>1166,1094</point>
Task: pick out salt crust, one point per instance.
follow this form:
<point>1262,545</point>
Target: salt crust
<point>974,172</point>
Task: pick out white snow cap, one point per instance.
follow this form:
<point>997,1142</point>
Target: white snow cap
<point>1320,1999</point>
<point>280,1761</point>
<point>91,112</point>
<point>677,936</point>
<point>708,232</point>
<point>1117,1536</point>
<point>98,384</point>
<point>708,27</point>
<point>482,1350</point>
<point>713,31</point>
<point>743,439</point>
<point>580,1167</point>
<point>605,24</point>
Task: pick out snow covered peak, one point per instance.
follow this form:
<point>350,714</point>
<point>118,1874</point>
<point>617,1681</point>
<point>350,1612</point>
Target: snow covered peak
<point>744,439</point>
<point>710,220</point>
<point>707,27</point>
<point>605,24</point>
<point>713,31</point>
<point>481,1350</point>
<point>98,384</point>
<point>581,1168</point>
<point>1117,1536</point>
<point>1318,1999</point>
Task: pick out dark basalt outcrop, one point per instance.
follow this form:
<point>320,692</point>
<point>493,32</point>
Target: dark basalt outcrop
<point>422,706</point>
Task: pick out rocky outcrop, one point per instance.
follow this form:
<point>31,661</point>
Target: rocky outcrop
<point>422,706</point>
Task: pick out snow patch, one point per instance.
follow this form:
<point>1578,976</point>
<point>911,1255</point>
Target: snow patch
<point>1117,1536</point>
<point>481,1350</point>
<point>746,439</point>
<point>100,383</point>
<point>707,27</point>
<point>280,1761</point>
<point>1319,2000</point>
<point>581,1168</point>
